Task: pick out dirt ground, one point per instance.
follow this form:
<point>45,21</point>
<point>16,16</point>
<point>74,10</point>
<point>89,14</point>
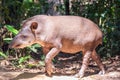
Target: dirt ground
<point>65,69</point>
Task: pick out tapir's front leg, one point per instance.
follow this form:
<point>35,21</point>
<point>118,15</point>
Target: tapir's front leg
<point>48,60</point>
<point>45,50</point>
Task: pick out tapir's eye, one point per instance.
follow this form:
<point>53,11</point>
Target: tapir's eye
<point>24,36</point>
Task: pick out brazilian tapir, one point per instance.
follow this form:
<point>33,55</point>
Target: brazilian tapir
<point>69,34</point>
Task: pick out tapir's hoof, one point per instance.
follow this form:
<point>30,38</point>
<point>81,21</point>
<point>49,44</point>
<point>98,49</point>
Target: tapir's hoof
<point>78,75</point>
<point>49,74</point>
<point>49,70</point>
<point>102,72</point>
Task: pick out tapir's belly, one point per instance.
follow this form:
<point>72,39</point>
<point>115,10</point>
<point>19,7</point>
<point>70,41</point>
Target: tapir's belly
<point>69,47</point>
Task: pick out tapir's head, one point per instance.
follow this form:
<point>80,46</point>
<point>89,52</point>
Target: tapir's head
<point>26,36</point>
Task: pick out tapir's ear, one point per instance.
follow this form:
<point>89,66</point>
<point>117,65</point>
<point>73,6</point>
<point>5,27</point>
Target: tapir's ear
<point>34,26</point>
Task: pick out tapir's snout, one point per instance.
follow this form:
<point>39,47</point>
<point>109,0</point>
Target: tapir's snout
<point>21,41</point>
<point>13,44</point>
<point>16,43</point>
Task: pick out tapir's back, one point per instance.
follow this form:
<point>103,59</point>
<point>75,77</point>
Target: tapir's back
<point>77,28</point>
<point>74,26</point>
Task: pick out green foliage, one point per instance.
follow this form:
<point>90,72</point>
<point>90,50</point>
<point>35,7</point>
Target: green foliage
<point>23,59</point>
<point>3,55</point>
<point>14,11</point>
<point>7,40</point>
<point>12,29</point>
<point>34,47</point>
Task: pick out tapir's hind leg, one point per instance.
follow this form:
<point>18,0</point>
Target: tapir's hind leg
<point>96,58</point>
<point>86,57</point>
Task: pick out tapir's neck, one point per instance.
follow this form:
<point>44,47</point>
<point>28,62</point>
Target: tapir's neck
<point>43,43</point>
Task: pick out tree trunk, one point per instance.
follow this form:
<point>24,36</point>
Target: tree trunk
<point>67,9</point>
<point>53,7</point>
<point>1,21</point>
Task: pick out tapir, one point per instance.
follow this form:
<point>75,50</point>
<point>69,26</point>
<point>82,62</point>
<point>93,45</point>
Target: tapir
<point>68,34</point>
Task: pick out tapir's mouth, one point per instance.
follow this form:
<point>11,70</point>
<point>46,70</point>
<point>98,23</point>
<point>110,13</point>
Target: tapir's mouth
<point>17,46</point>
